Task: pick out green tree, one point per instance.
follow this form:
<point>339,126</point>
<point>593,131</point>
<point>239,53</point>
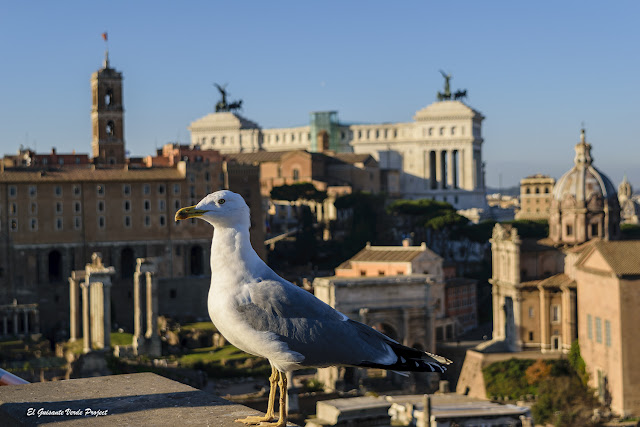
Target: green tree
<point>298,191</point>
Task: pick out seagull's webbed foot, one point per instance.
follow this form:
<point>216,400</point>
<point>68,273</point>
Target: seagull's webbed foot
<point>270,415</point>
<point>255,420</point>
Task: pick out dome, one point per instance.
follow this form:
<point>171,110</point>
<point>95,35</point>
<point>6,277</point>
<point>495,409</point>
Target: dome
<point>585,203</point>
<point>584,180</point>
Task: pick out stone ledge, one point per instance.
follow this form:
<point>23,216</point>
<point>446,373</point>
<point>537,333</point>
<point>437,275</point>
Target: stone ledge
<point>129,400</point>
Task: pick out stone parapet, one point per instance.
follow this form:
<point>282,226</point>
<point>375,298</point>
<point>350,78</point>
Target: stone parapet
<point>135,399</point>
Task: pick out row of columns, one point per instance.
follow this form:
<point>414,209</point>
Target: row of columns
<point>13,313</point>
<point>449,169</point>
<point>95,282</point>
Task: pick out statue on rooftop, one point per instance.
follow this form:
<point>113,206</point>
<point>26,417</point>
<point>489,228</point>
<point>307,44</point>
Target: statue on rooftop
<point>222,105</point>
<point>447,95</point>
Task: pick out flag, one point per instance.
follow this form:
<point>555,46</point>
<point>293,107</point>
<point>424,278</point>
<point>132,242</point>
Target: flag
<point>104,36</point>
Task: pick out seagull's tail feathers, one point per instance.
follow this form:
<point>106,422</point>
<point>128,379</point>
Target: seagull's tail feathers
<point>410,359</point>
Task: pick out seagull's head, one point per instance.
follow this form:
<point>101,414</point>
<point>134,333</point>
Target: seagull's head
<point>222,208</point>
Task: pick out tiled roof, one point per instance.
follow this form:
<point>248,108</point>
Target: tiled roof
<point>257,157</point>
<point>622,256</point>
<point>97,175</point>
<point>557,281</point>
<point>390,253</point>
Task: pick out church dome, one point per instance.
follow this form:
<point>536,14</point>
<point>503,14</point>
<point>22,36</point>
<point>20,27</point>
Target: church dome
<point>585,203</point>
<point>584,180</point>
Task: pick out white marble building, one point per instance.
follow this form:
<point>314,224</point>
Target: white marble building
<point>436,155</point>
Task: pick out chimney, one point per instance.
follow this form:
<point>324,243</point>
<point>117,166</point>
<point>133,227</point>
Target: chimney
<point>406,243</point>
<point>53,151</point>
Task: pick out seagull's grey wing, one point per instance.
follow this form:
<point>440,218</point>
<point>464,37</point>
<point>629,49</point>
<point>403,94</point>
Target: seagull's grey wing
<point>310,327</point>
<point>323,335</point>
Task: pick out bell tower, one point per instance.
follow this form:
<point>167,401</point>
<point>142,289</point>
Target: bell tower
<point>107,115</point>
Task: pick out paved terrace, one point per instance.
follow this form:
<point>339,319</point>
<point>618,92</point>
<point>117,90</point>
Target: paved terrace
<point>117,400</point>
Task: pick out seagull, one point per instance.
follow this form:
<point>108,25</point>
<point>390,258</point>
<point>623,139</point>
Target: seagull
<point>263,314</point>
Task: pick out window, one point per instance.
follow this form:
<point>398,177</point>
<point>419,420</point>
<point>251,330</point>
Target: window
<point>296,174</point>
<point>192,191</point>
<point>76,190</point>
<point>147,205</point>
<point>58,207</point>
<point>594,229</point>
<point>531,312</point>
<point>453,130</point>
<point>58,224</point>
<point>33,224</point>
<point>127,206</point>
<point>546,190</point>
<point>13,225</point>
<point>57,191</point>
<point>162,205</point>
<point>176,189</point>
<point>147,221</point>
<point>76,207</point>
<point>162,220</point>
<point>441,131</point>
<point>607,333</point>
<point>13,191</point>
<point>161,188</point>
<point>100,207</point>
<point>127,221</point>
<point>363,273</point>
<point>101,222</point>
<point>176,204</point>
<point>77,222</point>
<point>537,190</point>
<point>146,189</point>
<point>530,335</point>
<point>13,209</point>
<point>33,208</point>
<point>528,190</point>
<point>126,189</point>
<point>555,313</point>
<point>380,272</point>
<point>569,230</point>
<point>100,189</point>
<point>207,176</point>
<point>33,191</point>
<point>598,330</point>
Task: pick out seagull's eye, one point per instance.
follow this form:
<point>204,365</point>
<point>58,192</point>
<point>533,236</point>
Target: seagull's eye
<point>221,201</point>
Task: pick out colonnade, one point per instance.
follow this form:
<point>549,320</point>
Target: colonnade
<point>13,314</point>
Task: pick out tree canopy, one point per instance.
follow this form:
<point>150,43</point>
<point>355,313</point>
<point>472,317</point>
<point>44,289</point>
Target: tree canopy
<point>298,191</point>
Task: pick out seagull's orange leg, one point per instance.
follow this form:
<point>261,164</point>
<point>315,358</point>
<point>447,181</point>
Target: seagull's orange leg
<point>282,421</point>
<point>270,415</point>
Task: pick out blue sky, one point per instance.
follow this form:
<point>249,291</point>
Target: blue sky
<point>536,70</point>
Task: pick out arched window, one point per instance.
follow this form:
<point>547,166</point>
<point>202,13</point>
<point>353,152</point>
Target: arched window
<point>55,266</point>
<point>108,97</point>
<point>296,174</point>
<point>127,263</point>
<point>197,262</point>
<point>111,128</point>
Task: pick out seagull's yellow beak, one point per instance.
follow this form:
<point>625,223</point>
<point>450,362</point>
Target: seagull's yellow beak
<point>189,212</point>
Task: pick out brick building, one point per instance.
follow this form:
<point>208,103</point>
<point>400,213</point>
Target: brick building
<point>55,214</point>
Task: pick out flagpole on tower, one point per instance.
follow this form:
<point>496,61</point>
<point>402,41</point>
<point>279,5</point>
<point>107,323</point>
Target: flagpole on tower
<point>106,51</point>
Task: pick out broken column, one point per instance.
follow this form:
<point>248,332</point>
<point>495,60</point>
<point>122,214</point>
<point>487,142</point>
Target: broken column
<point>150,343</point>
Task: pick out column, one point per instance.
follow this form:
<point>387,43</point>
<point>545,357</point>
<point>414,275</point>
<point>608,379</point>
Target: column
<point>545,320</point>
<point>86,343</point>
<point>15,322</point>
<point>517,319</point>
<point>25,315</point>
<point>97,314</point>
<point>438,169</point>
<point>36,321</point>
<point>106,312</point>
<point>73,309</point>
<point>469,172</point>
<point>137,315</point>
<point>498,329</point>
<point>450,169</point>
<point>5,325</point>
<point>155,347</point>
